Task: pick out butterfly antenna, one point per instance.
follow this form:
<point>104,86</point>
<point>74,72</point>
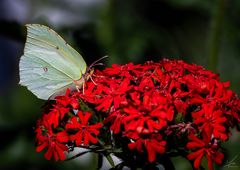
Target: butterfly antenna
<point>96,62</point>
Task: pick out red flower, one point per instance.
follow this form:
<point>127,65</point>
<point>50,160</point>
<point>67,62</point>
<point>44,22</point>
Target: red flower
<point>91,92</point>
<point>83,132</point>
<point>56,114</point>
<point>232,109</point>
<point>146,84</point>
<point>54,142</point>
<point>117,120</point>
<point>204,147</point>
<point>160,75</point>
<point>67,99</point>
<point>136,119</point>
<point>154,144</point>
<point>113,93</point>
<point>61,107</point>
<point>151,114</point>
<point>124,71</point>
<point>211,120</point>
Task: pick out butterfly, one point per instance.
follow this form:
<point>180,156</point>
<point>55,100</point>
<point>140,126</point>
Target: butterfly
<point>49,65</point>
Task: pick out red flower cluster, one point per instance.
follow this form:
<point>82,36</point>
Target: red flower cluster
<point>150,105</point>
<point>61,125</point>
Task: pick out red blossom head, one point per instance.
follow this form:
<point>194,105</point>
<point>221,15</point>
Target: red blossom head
<point>147,111</point>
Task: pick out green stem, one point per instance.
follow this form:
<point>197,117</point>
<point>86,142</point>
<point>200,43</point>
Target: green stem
<point>215,34</point>
<point>77,155</point>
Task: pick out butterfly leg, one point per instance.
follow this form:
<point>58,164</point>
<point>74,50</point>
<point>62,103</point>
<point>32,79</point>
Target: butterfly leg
<point>92,80</point>
<point>83,86</point>
<point>77,88</point>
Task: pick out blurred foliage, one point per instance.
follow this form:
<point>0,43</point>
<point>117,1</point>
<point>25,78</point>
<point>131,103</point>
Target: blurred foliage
<point>126,31</point>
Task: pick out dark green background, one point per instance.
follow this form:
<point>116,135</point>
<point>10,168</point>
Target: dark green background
<point>205,32</point>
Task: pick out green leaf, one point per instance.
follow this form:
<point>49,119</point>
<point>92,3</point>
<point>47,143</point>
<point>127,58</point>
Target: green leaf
<point>179,118</point>
<point>110,160</point>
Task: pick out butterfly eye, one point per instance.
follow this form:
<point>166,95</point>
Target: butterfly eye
<point>45,69</point>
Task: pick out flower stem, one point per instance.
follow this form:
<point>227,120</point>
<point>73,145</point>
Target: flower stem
<point>215,34</point>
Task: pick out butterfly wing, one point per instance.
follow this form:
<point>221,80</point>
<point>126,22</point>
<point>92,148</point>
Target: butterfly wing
<point>49,65</point>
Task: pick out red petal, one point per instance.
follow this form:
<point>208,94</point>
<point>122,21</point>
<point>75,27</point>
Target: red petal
<point>193,144</point>
<point>41,147</point>
<point>219,157</point>
<point>151,152</point>
<point>55,154</point>
<point>197,156</point>
<point>60,152</point>
<point>105,104</point>
<point>197,161</point>
<point>49,153</point>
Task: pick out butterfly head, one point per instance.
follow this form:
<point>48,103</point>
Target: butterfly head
<point>88,74</point>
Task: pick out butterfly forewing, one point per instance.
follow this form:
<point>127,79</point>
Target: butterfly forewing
<point>49,64</point>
